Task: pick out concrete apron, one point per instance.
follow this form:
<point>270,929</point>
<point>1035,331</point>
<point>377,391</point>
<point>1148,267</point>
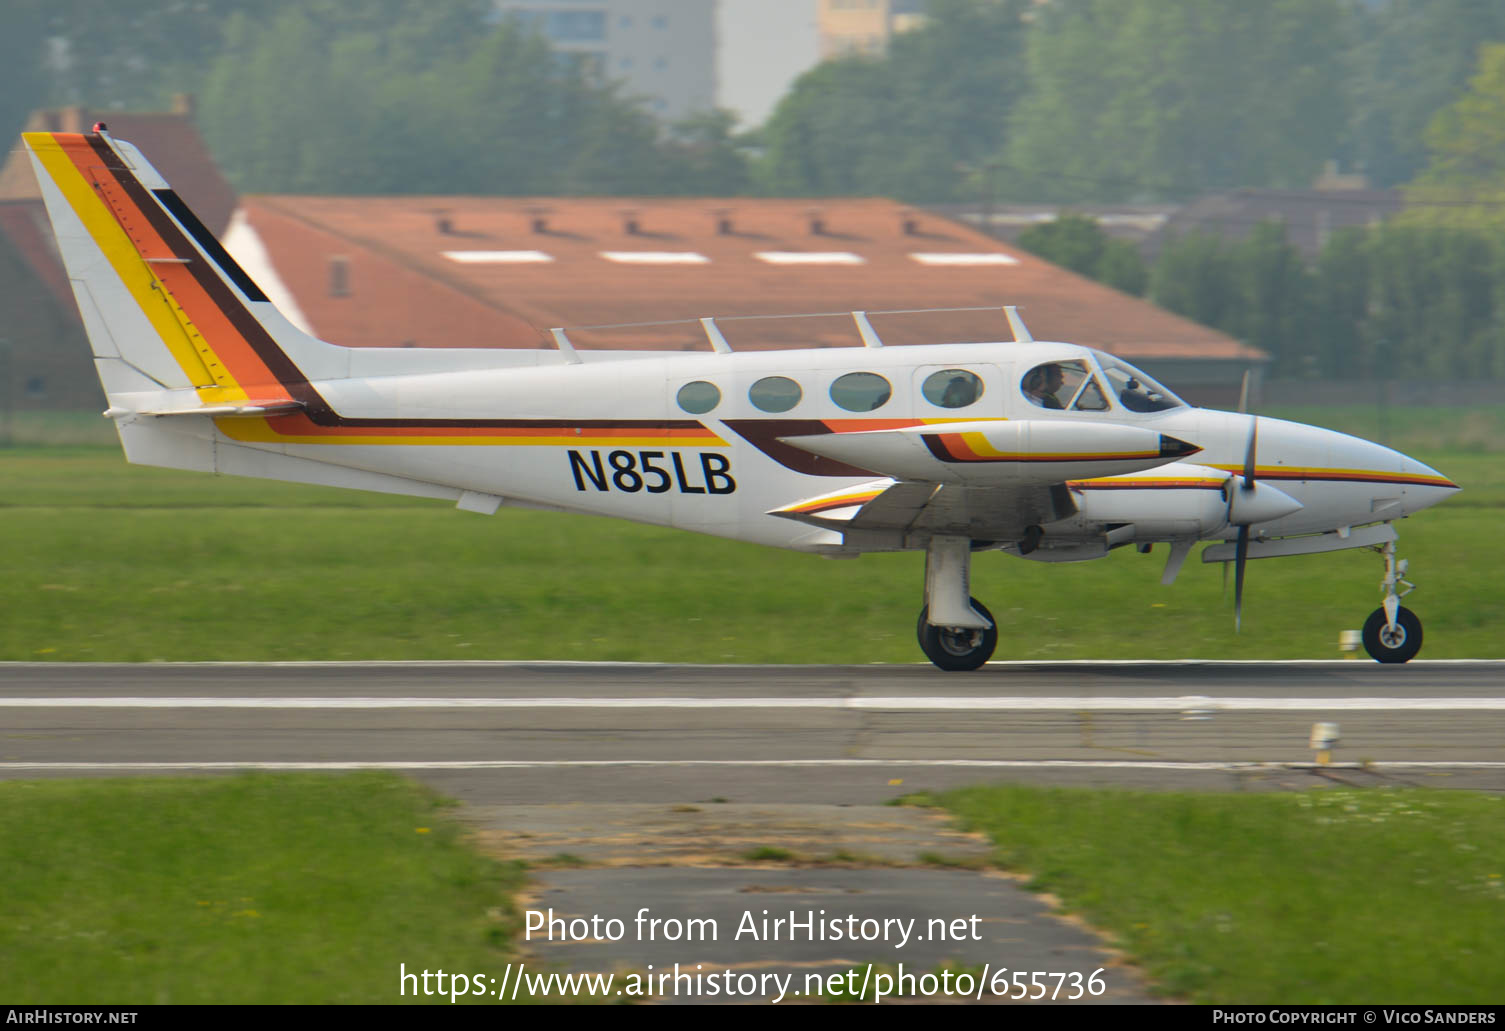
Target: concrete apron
<point>719,903</point>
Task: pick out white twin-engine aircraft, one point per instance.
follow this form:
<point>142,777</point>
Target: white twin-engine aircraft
<point>1047,451</point>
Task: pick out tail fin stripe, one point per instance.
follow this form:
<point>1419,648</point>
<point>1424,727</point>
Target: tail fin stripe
<point>258,361</point>
<point>210,246</point>
<point>180,277</point>
<point>62,165</point>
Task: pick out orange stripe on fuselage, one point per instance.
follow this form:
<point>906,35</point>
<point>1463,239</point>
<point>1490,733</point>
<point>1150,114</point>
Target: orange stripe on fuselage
<point>962,450</point>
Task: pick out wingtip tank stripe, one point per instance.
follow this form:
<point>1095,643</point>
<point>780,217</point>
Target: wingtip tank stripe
<point>974,447</point>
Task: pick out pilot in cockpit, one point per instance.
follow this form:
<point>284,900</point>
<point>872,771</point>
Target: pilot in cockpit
<point>1041,384</point>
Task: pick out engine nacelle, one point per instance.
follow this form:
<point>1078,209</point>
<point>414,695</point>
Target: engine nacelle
<point>1178,500</point>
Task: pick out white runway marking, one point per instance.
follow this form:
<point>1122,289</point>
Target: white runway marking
<point>506,764</point>
<point>905,703</point>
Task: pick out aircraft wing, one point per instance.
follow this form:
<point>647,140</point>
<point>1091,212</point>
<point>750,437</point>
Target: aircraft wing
<point>987,480</point>
<point>908,508</point>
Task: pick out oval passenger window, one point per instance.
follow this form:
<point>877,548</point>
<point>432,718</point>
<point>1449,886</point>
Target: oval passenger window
<point>952,388</point>
<point>861,391</point>
<point>775,394</point>
<point>699,397</point>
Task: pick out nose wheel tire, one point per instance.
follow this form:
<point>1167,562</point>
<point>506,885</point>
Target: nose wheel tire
<point>1392,644</point>
<point>956,649</point>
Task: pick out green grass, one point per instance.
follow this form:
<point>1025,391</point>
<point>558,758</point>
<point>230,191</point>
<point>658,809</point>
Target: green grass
<point>106,561</point>
<point>767,854</point>
<point>251,889</point>
<point>1323,897</point>
<point>57,428</point>
<point>1479,429</point>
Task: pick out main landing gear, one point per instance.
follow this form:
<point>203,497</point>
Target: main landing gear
<point>1392,633</point>
<point>955,631</point>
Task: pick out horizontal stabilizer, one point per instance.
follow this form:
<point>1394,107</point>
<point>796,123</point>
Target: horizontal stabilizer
<point>239,409</point>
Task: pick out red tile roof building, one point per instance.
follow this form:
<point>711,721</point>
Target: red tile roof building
<point>500,271</point>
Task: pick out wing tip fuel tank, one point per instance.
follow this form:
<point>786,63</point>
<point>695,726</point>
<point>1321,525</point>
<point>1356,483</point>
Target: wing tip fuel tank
<point>1001,451</point>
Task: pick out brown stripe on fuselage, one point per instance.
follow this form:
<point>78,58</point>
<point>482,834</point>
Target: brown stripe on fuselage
<point>763,434</point>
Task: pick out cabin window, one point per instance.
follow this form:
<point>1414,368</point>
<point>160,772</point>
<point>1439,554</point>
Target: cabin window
<point>952,388</point>
<point>699,397</point>
<point>775,394</point>
<point>1063,385</point>
<point>861,391</point>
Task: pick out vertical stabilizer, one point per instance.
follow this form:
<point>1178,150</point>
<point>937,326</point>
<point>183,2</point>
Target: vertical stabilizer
<point>164,306</point>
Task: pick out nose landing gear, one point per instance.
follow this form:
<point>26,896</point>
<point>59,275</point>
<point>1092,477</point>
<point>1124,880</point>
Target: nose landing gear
<point>1392,633</point>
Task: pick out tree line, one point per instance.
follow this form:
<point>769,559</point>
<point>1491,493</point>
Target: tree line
<point>1068,101</point>
<point>1421,296</point>
<point>1400,301</point>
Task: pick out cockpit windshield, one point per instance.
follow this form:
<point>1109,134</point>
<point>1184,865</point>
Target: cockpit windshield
<point>1134,390</point>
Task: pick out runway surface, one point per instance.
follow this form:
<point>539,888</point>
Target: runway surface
<point>612,765</point>
<point>540,732</point>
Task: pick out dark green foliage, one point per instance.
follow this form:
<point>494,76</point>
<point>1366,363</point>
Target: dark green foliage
<point>295,106</point>
<point>918,124</point>
<point>1408,59</point>
<point>1400,302</point>
<point>1079,243</point>
<point>1194,276</point>
<point>1134,99</point>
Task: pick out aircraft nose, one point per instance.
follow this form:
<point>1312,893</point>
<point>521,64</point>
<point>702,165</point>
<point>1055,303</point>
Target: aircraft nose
<point>1398,484</point>
<point>1424,486</point>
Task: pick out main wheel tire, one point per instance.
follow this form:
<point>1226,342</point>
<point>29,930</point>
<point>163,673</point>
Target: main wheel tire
<point>956,650</point>
<point>1398,645</point>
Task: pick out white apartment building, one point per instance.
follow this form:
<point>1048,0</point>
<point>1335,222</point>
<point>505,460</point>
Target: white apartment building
<point>663,51</point>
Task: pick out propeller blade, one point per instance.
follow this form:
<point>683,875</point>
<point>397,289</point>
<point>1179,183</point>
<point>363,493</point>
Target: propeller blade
<point>1240,555</point>
<point>1248,483</point>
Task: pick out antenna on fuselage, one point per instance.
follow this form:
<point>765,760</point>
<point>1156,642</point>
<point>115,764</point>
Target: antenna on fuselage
<point>565,347</point>
<point>1021,331</point>
<point>865,328</point>
<point>713,334</point>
